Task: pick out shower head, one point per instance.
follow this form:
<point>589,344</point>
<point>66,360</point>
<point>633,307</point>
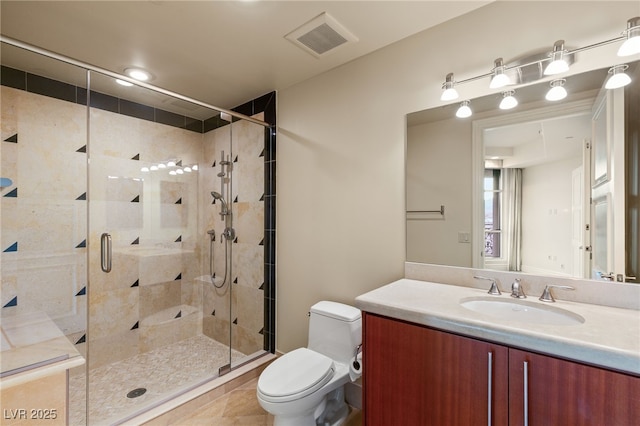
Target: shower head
<point>218,196</point>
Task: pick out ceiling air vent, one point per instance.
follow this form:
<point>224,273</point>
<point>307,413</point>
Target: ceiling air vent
<point>320,35</point>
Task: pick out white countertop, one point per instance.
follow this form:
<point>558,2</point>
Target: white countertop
<point>609,337</point>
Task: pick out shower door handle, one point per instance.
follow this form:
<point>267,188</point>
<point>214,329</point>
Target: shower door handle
<point>105,252</point>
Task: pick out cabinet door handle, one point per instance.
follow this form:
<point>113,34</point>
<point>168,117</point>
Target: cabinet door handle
<point>105,252</point>
<point>526,393</point>
<point>489,386</point>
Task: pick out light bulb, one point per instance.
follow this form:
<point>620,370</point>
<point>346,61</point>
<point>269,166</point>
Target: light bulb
<point>499,79</point>
<point>508,100</point>
<point>618,78</point>
<point>179,171</point>
<point>194,167</point>
<point>464,111</point>
<point>449,93</point>
<point>171,164</point>
<point>187,169</point>
<point>144,169</point>
<point>631,45</point>
<point>558,64</point>
<point>557,91</point>
<point>172,173</point>
<point>162,166</point>
<point>153,168</point>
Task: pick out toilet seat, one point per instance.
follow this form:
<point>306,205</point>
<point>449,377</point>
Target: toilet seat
<point>295,375</point>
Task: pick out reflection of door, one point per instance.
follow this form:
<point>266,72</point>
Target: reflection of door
<point>577,222</point>
<point>607,187</point>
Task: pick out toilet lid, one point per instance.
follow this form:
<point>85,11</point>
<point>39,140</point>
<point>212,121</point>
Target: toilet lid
<point>295,375</point>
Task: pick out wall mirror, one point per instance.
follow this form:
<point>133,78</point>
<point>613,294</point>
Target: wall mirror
<point>549,188</point>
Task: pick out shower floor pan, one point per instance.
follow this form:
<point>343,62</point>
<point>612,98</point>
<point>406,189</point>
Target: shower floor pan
<point>162,372</point>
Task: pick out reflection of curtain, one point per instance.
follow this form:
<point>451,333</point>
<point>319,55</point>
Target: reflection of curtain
<point>512,179</point>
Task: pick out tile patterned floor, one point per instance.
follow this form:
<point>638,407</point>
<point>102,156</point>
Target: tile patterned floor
<point>161,372</point>
<point>240,407</point>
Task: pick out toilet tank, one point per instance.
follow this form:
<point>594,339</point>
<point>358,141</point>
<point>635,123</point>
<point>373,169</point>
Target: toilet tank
<point>335,330</point>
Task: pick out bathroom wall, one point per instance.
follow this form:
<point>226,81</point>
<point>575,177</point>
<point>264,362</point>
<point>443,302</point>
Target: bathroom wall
<point>429,182</point>
<point>342,134</point>
<point>43,211</point>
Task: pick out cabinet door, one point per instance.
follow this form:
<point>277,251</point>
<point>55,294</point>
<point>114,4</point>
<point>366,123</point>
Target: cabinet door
<point>415,375</point>
<point>560,392</point>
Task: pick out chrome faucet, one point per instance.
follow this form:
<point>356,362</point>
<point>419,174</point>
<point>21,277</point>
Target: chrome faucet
<point>516,289</point>
<point>494,285</point>
<point>546,293</point>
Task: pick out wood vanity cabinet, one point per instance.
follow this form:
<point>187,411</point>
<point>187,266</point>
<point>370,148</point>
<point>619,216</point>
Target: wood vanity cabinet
<point>416,375</point>
<point>561,392</point>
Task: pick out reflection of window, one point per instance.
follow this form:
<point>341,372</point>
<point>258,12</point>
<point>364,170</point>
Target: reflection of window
<point>492,200</point>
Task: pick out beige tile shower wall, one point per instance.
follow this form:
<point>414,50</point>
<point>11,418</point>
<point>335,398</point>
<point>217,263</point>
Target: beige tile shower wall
<point>246,312</point>
<point>152,218</point>
<point>40,211</point>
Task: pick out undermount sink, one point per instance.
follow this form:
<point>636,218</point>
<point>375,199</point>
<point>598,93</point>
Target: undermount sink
<point>521,311</point>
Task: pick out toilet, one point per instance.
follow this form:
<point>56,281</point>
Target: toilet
<point>305,387</point>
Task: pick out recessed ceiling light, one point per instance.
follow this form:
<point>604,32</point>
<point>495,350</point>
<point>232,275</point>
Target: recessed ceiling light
<point>138,74</point>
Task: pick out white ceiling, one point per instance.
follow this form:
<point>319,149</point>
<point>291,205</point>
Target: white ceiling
<point>224,53</point>
<point>538,142</point>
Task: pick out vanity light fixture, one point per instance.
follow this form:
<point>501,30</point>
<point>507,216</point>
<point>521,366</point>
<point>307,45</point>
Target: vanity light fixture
<point>171,163</point>
<point>499,79</point>
<point>631,45</point>
<point>172,173</point>
<point>464,110</point>
<point>449,92</point>
<point>138,74</point>
<point>558,64</point>
<point>194,167</point>
<point>162,166</point>
<point>187,169</point>
<point>179,171</point>
<point>530,69</point>
<point>557,91</point>
<point>617,77</point>
<point>144,169</point>
<point>508,100</point>
<point>153,168</point>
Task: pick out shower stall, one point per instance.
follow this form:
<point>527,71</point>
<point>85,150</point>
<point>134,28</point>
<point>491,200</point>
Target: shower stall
<point>110,231</point>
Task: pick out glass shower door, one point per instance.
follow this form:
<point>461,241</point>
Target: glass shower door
<point>146,341</point>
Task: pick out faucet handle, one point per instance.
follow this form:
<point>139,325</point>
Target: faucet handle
<point>546,293</point>
<point>517,290</point>
<point>494,285</point>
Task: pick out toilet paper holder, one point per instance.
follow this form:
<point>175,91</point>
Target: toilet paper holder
<point>356,364</point>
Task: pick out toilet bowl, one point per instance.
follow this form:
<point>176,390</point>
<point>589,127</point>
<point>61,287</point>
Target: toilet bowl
<point>305,387</point>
